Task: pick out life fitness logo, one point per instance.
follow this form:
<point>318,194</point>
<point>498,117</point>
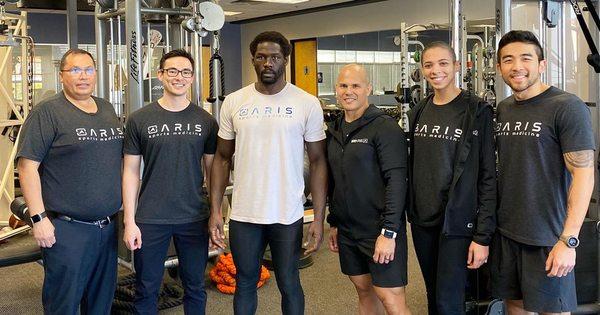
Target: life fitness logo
<point>134,66</point>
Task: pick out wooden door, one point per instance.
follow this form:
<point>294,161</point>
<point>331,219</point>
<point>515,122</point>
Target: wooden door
<point>304,64</point>
<point>206,54</point>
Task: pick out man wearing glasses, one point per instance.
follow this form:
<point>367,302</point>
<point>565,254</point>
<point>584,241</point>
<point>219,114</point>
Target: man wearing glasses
<point>69,162</point>
<point>172,136</point>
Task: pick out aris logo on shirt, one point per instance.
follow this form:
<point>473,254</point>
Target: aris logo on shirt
<point>519,128</point>
<point>438,132</point>
<point>266,112</point>
<point>98,134</point>
<point>175,129</point>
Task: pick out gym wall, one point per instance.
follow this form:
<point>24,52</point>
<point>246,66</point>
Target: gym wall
<point>386,15</point>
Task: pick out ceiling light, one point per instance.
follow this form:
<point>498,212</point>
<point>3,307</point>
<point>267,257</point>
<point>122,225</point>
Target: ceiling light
<point>232,13</point>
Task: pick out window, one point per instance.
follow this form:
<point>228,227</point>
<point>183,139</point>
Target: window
<point>383,68</point>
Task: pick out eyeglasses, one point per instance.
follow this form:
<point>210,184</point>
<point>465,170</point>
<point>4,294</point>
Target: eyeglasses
<point>78,71</point>
<point>172,72</point>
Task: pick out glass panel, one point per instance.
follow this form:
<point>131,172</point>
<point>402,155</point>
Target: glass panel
<point>384,56</point>
<point>345,56</point>
<point>365,56</point>
<point>324,56</point>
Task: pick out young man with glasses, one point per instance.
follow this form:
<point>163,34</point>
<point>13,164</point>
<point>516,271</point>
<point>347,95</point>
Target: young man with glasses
<point>69,162</point>
<point>174,138</point>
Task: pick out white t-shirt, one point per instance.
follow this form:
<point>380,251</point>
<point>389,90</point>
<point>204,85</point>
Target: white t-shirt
<point>269,133</point>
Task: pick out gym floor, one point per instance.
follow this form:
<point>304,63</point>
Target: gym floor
<point>326,289</point>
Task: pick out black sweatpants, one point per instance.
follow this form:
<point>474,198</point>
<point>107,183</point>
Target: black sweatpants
<point>443,262</point>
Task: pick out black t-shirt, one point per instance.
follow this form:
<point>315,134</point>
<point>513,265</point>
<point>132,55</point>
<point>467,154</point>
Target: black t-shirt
<point>346,127</point>
<point>436,136</point>
<point>80,157</point>
<point>172,145</point>
<point>532,136</point>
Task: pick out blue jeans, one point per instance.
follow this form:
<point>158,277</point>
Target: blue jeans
<point>191,244</point>
<point>80,269</point>
<point>248,242</point>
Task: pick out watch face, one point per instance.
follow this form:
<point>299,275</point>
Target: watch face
<point>573,241</point>
<point>388,234</point>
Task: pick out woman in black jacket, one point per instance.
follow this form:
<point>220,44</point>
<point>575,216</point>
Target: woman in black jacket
<point>452,182</point>
<point>367,157</point>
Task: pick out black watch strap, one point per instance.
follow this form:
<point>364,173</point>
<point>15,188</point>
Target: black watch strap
<point>388,233</point>
<point>38,217</point>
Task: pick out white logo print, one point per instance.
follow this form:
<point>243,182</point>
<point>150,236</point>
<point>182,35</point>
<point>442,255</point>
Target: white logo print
<point>81,132</point>
<point>98,134</point>
<point>176,129</point>
<point>439,132</point>
<point>359,140</point>
<point>152,129</point>
<point>519,128</point>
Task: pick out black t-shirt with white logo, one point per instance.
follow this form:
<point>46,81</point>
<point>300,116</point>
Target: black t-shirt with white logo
<point>346,127</point>
<point>532,136</point>
<point>172,145</point>
<point>436,134</point>
<point>80,157</point>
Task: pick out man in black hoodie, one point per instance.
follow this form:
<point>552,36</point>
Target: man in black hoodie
<point>367,159</point>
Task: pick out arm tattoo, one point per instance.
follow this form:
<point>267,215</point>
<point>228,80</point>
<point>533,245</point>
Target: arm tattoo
<point>580,159</point>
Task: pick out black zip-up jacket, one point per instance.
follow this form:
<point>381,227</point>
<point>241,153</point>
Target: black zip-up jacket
<point>367,175</point>
<point>471,207</point>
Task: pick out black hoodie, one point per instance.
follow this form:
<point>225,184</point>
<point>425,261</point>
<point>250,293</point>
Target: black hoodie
<point>367,175</point>
<point>471,207</point>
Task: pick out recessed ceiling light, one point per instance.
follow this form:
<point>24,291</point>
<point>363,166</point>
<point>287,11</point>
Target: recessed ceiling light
<point>232,13</point>
<point>283,1</point>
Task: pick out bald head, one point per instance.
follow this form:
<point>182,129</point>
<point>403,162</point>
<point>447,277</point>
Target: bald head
<point>353,88</point>
<point>355,71</point>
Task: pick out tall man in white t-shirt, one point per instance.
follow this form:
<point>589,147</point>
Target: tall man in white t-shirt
<point>268,124</point>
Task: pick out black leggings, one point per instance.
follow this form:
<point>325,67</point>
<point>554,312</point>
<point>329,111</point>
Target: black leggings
<point>443,262</point>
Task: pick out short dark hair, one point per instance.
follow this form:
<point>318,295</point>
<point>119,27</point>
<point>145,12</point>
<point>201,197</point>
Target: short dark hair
<point>176,53</point>
<point>74,51</point>
<point>519,36</point>
<point>273,37</point>
<point>439,44</point>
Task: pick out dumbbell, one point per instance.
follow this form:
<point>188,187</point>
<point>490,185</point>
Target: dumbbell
<point>19,208</point>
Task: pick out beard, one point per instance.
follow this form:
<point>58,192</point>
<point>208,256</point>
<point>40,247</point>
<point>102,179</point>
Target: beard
<point>523,85</point>
<point>270,77</point>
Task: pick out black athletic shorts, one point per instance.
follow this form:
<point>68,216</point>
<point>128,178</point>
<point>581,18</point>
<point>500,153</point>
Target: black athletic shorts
<point>356,258</point>
<point>518,273</point>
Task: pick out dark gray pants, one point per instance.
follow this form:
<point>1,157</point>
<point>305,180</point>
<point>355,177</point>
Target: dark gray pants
<point>248,243</point>
<point>80,269</point>
<point>191,245</point>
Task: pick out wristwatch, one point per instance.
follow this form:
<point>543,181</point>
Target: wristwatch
<point>570,240</point>
<point>38,217</point>
<point>388,233</point>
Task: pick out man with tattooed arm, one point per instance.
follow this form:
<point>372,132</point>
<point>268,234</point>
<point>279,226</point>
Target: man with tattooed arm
<point>545,181</point>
